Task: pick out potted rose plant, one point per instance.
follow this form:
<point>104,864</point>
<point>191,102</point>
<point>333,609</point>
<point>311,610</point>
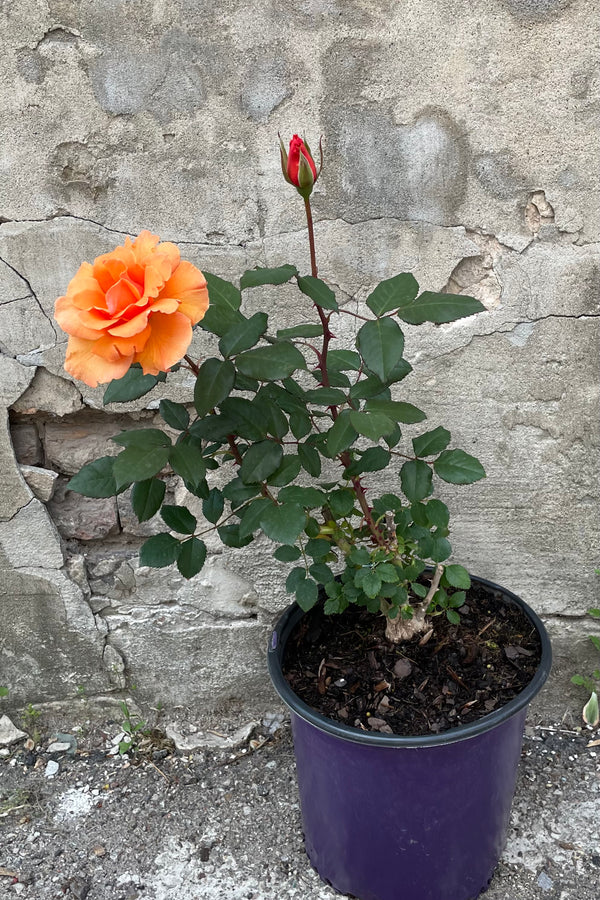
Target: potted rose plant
<point>408,680</point>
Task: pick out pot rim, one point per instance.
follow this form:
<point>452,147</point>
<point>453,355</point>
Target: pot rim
<point>294,613</point>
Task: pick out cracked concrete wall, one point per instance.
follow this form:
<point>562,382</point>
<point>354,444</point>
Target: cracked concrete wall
<point>463,150</point>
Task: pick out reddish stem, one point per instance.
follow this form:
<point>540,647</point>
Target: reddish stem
<point>322,366</point>
<point>195,369</point>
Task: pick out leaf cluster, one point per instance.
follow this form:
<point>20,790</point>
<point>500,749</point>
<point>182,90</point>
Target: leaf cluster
<point>272,411</point>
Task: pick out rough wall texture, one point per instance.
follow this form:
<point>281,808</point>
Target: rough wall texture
<point>462,149</point>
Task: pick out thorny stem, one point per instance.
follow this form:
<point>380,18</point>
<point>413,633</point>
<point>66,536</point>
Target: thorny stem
<point>322,366</point>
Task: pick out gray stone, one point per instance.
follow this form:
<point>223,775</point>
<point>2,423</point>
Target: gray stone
<point>124,82</point>
<point>41,481</point>
<point>209,740</point>
<point>115,666</point>
<point>26,443</point>
<point>49,642</point>
<point>14,379</point>
<point>70,445</point>
<point>58,747</point>
<point>82,518</point>
<point>9,733</point>
<point>24,328</point>
<point>265,87</point>
<point>52,768</point>
<point>31,523</point>
<point>16,494</point>
<point>425,161</point>
<point>49,393</point>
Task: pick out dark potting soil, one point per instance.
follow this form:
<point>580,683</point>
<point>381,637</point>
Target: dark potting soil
<point>344,667</point>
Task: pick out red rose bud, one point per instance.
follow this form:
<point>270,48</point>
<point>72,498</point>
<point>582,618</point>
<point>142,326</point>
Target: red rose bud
<point>299,167</point>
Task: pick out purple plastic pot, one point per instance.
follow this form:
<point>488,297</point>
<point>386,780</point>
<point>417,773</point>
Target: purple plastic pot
<point>388,817</point>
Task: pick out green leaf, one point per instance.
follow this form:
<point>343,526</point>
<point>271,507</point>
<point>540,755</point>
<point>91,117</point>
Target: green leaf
<point>300,424</point>
<point>396,410</point>
<point>223,311</point>
<point>438,513</point>
<point>287,553</point>
<point>307,594</point>
<point>415,476</point>
<point>95,479</point>
<point>341,435</point>
<point>174,414</point>
<point>251,516</point>
<point>212,428</point>
<point>595,641</point>
<point>453,616</point>
<point>432,307</point>
<point>388,573</point>
<point>369,581</point>
<point>139,463</point>
<point>343,360</point>
<point>381,344</point>
<point>431,442</point>
<point>318,548</point>
<point>258,276</point>
<point>438,548</point>
<point>295,579</point>
<point>318,291</point>
<point>300,331</point>
<point>213,384</point>
<point>260,460</point>
<point>371,424</point>
<point>245,422</point>
<point>239,493</point>
<point>307,497</point>
<point>393,293</point>
<point>231,537</point>
<point>287,471</point>
<point>187,462</point>
<point>271,363</point>
<point>458,467</point>
<point>179,519</point>
<point>143,438</point>
<point>578,680</point>
<point>192,557</point>
<point>341,503</point>
<point>243,335</point>
<point>146,498</point>
<point>212,507</point>
<point>310,459</point>
<point>457,576</point>
<point>270,416</point>
<point>594,613</point>
<point>321,573</point>
<point>283,523</point>
<point>131,386</point>
<point>325,396</point>
<point>371,386</point>
<point>160,550</point>
<point>457,599</point>
<point>372,460</point>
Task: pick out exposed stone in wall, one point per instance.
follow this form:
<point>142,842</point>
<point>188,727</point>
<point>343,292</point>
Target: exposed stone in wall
<point>466,155</point>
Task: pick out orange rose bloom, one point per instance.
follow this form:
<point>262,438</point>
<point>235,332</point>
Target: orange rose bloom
<point>134,305</point>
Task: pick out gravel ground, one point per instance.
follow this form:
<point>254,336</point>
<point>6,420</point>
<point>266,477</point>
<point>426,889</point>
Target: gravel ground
<point>225,825</point>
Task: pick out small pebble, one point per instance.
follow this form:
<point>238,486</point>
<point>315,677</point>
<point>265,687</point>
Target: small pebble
<point>51,769</point>
<point>545,882</point>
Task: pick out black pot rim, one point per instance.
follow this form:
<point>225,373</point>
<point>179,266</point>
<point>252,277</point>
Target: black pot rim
<point>491,720</point>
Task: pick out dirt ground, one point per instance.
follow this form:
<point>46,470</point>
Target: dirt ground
<point>225,824</point>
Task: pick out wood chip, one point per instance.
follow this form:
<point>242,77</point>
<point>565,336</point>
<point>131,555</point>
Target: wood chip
<point>382,686</point>
<point>426,638</point>
<point>8,873</point>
